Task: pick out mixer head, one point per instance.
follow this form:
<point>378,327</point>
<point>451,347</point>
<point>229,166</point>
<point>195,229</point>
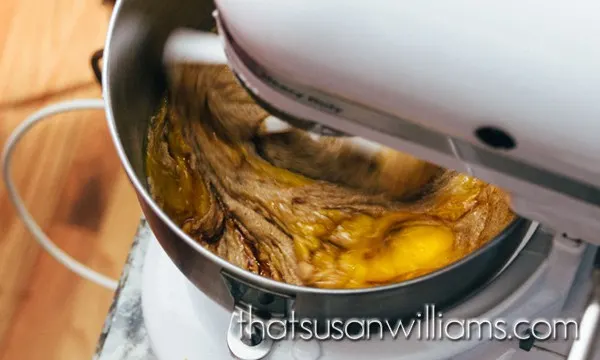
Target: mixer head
<point>467,100</point>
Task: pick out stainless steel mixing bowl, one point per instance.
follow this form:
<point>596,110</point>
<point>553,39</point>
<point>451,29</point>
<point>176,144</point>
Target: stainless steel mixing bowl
<point>133,83</point>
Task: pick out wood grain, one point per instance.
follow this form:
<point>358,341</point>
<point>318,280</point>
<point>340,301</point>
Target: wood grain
<point>70,177</point>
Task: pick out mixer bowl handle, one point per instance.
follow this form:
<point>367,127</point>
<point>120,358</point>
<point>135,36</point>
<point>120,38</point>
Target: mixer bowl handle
<point>259,316</point>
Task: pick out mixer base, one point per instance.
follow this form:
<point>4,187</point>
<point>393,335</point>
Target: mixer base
<point>184,324</point>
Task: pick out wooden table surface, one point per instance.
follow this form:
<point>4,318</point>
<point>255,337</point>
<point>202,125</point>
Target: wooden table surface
<point>70,177</point>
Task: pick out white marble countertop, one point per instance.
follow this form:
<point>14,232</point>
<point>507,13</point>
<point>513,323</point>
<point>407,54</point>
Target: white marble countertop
<point>124,335</point>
